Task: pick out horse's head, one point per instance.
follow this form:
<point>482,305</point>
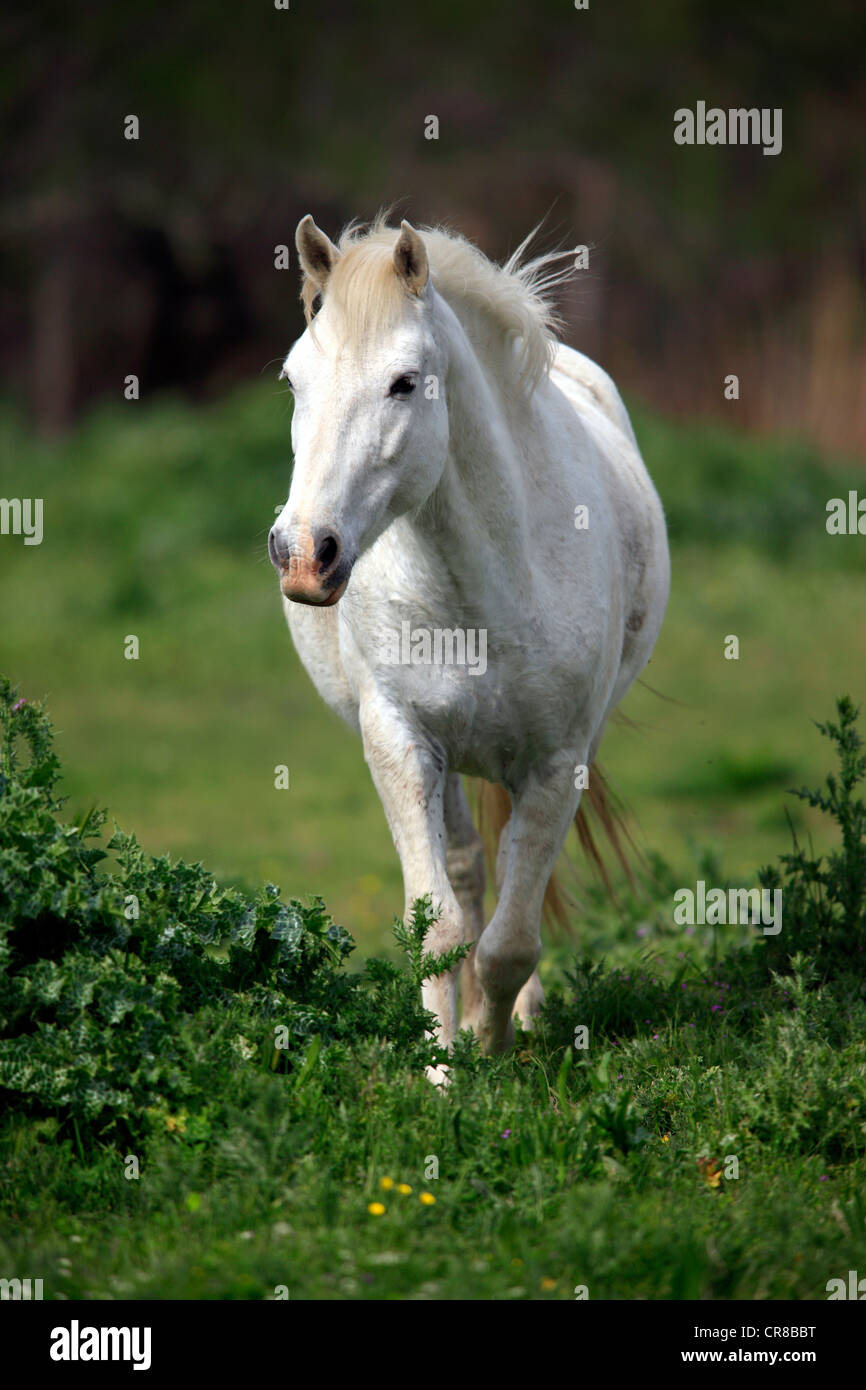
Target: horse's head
<point>370,425</point>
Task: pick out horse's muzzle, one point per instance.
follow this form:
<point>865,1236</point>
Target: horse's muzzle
<point>315,573</point>
<point>301,582</point>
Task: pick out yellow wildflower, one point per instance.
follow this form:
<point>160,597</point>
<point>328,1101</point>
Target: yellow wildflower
<point>711,1174</point>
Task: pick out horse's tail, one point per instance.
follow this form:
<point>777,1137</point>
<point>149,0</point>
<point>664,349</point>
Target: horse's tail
<point>493,809</point>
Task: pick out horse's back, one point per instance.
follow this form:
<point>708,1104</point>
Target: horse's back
<point>633,530</point>
<point>573,369</point>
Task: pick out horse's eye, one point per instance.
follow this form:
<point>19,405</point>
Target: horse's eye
<point>403,386</point>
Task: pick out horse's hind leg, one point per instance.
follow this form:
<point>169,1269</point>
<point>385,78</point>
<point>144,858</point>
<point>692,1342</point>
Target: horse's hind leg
<point>510,945</point>
<point>465,859</point>
<point>531,996</point>
<point>529,1001</point>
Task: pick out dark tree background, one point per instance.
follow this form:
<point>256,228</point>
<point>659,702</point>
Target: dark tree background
<point>156,256</point>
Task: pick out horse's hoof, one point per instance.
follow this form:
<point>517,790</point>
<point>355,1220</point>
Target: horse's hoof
<point>527,1023</point>
<point>495,1041</point>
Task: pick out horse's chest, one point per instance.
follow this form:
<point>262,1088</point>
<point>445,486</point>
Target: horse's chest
<point>484,712</point>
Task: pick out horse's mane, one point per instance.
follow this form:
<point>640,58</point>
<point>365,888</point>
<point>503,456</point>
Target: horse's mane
<point>516,296</point>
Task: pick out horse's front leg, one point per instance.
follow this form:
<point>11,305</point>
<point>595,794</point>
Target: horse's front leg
<point>510,945</point>
<point>410,778</point>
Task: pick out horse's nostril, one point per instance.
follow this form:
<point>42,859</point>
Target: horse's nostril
<point>327,551</point>
<point>272,549</point>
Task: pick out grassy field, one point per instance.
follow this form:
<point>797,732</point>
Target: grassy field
<point>155,525</point>
<point>558,1168</point>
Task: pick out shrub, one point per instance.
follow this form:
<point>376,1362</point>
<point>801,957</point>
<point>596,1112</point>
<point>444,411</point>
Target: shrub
<point>824,897</point>
<point>114,982</point>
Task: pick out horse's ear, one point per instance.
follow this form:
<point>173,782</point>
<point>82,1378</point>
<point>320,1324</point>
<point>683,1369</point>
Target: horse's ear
<point>410,259</point>
<point>318,254</point>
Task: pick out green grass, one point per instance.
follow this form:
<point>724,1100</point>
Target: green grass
<point>515,1217</point>
<point>550,1176</point>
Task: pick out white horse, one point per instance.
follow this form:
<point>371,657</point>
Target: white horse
<point>464,484</point>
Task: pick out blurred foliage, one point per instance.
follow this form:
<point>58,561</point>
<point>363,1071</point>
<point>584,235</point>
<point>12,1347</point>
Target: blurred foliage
<point>252,116</point>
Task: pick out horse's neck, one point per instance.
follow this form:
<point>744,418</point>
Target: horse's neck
<point>477,516</point>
